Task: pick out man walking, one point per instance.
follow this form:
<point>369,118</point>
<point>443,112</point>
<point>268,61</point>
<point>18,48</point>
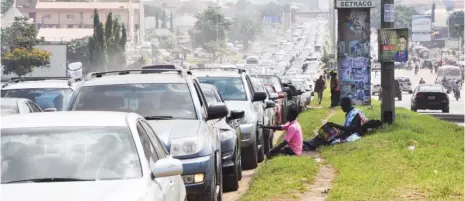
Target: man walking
<point>320,86</point>
<point>335,93</point>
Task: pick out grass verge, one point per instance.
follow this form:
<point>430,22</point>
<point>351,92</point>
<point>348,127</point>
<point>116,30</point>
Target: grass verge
<point>285,176</point>
<point>381,166</point>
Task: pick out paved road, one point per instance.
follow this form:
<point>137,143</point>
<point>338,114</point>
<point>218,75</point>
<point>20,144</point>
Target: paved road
<point>456,107</point>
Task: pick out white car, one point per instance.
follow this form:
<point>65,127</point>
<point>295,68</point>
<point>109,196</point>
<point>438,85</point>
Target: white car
<point>405,84</point>
<point>86,156</point>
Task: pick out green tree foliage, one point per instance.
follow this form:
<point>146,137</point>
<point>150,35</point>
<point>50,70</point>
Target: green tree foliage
<point>163,20</point>
<point>211,25</point>
<point>18,53</point>
<point>403,16</point>
<point>244,29</point>
<point>456,24</point>
<point>78,51</point>
<point>107,44</point>
<point>6,5</point>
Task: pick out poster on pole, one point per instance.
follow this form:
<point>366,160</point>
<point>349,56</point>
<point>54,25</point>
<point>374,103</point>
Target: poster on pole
<point>354,72</point>
<point>389,13</point>
<point>393,45</point>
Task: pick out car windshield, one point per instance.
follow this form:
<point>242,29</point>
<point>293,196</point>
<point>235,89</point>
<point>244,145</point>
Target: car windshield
<point>148,100</point>
<point>230,88</point>
<point>45,98</point>
<point>272,81</point>
<point>9,110</point>
<point>257,85</point>
<point>209,94</point>
<point>436,88</point>
<point>80,153</point>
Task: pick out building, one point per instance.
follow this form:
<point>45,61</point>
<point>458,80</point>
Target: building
<point>79,15</point>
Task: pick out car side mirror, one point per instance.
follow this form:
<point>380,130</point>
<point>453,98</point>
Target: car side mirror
<point>259,96</point>
<point>51,109</point>
<point>236,114</point>
<point>286,89</point>
<point>274,96</point>
<point>270,104</point>
<point>217,111</point>
<point>167,167</point>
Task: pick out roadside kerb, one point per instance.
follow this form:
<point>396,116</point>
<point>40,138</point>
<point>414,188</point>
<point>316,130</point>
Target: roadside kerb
<point>458,118</point>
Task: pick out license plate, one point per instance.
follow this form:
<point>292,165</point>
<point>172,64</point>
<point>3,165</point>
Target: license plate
<point>431,97</point>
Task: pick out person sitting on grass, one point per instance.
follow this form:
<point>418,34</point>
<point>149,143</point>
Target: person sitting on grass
<point>332,133</point>
<point>293,140</point>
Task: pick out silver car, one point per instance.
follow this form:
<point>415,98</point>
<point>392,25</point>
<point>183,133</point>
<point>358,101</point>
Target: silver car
<point>405,84</point>
<point>86,156</point>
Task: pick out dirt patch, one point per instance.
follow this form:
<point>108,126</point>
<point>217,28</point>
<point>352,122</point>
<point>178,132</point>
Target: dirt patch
<point>246,180</point>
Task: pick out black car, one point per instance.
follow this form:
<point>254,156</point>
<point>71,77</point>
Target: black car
<point>430,97</point>
<point>230,136</point>
<point>293,97</point>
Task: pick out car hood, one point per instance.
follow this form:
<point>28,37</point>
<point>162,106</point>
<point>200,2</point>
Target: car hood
<point>238,105</point>
<point>116,190</point>
<point>172,129</point>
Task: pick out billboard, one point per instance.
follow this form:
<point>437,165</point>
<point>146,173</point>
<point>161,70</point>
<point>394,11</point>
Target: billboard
<point>421,23</point>
<point>354,72</point>
<point>393,45</point>
<point>271,19</point>
<point>355,3</point>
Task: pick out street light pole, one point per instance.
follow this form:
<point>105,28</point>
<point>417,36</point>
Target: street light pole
<point>387,75</point>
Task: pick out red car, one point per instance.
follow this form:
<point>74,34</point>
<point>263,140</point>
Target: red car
<point>273,95</point>
<point>277,85</point>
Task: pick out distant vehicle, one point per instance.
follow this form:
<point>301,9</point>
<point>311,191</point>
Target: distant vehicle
<point>449,72</point>
<point>104,156</point>
<point>252,60</point>
<point>405,84</point>
<point>430,97</point>
<point>10,106</point>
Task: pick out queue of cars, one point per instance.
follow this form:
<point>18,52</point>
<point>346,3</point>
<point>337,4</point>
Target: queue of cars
<point>157,133</point>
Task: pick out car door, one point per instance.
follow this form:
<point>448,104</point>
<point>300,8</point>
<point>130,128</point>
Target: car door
<point>160,187</point>
<point>175,182</point>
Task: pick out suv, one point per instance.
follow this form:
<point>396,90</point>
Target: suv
<point>236,88</point>
<point>50,93</point>
<point>405,84</point>
<point>174,105</point>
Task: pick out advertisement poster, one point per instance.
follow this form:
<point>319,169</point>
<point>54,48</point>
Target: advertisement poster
<point>393,45</point>
<point>354,70</point>
<point>421,28</point>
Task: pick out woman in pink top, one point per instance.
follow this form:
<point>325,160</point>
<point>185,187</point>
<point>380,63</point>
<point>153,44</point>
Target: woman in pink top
<point>293,141</point>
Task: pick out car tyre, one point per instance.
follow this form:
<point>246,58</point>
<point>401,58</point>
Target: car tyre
<point>231,182</point>
<point>210,193</point>
<point>266,135</point>
<point>250,156</point>
<point>413,108</point>
<point>410,92</point>
<point>445,110</point>
<point>261,150</point>
<point>399,98</point>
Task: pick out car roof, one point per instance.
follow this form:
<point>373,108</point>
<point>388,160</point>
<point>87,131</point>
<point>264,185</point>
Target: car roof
<point>60,119</point>
<point>168,77</point>
<point>215,73</point>
<point>38,84</point>
<point>11,101</point>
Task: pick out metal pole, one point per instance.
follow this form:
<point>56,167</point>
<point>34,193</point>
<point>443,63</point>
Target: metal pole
<point>387,77</point>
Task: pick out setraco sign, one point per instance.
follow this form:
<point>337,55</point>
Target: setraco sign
<point>355,3</point>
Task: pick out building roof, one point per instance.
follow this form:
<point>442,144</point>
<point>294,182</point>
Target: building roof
<point>63,34</point>
<point>85,5</point>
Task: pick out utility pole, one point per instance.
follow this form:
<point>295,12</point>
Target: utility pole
<point>387,76</point>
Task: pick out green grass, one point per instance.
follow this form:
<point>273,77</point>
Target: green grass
<point>281,178</point>
<point>285,176</point>
<point>381,167</point>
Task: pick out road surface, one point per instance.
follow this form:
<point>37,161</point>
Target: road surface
<point>456,107</point>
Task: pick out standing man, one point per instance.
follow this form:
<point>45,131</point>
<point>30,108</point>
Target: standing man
<point>320,86</point>
<point>335,93</point>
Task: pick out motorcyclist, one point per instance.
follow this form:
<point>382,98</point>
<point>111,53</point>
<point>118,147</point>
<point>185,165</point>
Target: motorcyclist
<point>417,67</point>
<point>456,87</point>
<point>422,81</point>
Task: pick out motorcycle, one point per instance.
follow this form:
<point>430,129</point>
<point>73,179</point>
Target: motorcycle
<point>457,94</point>
<point>416,70</point>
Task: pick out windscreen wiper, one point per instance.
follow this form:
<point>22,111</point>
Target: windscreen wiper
<point>158,117</point>
<point>51,179</point>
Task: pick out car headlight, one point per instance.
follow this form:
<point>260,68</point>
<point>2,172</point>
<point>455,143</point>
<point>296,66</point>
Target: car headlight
<point>185,146</point>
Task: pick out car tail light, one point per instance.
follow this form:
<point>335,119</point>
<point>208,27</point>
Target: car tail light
<point>444,96</point>
<point>420,95</point>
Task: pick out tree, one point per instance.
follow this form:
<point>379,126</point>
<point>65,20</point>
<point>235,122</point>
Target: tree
<point>6,5</point>
<point>18,53</point>
<point>163,20</point>
<point>403,16</point>
<point>456,24</point>
<point>171,22</point>
<point>157,20</point>
<point>78,51</point>
<point>151,11</point>
<point>211,25</point>
<point>215,48</point>
<point>244,29</point>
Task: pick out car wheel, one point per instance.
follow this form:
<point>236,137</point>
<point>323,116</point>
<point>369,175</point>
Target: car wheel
<point>240,168</point>
<point>445,110</point>
<point>214,191</point>
<point>250,156</point>
<point>399,98</point>
<point>231,182</point>
<point>410,92</point>
<point>413,108</point>
<point>266,135</point>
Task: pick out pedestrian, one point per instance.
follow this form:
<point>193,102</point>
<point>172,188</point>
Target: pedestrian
<point>334,86</point>
<point>293,140</point>
<point>332,133</point>
<point>320,86</point>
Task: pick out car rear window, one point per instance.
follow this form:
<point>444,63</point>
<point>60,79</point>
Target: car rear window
<point>431,89</point>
